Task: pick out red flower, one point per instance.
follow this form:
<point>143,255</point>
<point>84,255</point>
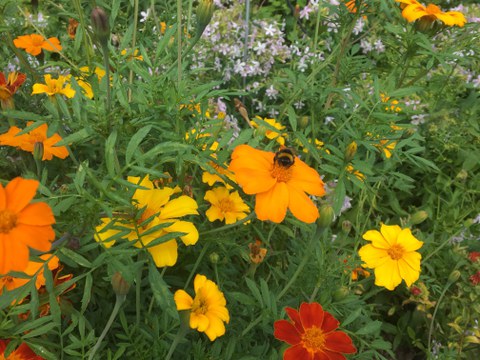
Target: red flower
<point>475,278</point>
<point>23,352</point>
<point>474,256</point>
<point>311,332</point>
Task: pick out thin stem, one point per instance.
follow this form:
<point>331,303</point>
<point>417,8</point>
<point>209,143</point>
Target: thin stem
<point>245,45</point>
<point>179,42</point>
<point>134,41</point>
<point>180,335</point>
<point>118,303</point>
<point>317,27</point>
<point>106,63</point>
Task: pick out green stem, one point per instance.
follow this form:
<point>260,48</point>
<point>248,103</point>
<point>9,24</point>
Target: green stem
<point>180,335</point>
<point>179,42</point>
<point>118,303</point>
<point>317,27</point>
<point>134,40</point>
<point>106,63</point>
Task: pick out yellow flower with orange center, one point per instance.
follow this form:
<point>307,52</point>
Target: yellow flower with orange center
<point>393,256</point>
<point>54,86</point>
<point>155,208</point>
<point>23,224</point>
<point>30,140</point>
<point>208,310</point>
<point>35,43</point>
<point>279,180</point>
<point>225,206</point>
<point>413,10</point>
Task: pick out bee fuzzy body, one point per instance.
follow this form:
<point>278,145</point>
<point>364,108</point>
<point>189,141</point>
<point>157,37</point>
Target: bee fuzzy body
<point>284,157</point>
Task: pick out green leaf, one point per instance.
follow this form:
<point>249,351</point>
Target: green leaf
<point>135,142</point>
<point>161,292</point>
<point>75,137</point>
<point>77,258</point>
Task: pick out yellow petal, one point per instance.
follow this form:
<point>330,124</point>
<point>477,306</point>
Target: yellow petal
<point>388,275</point>
<point>372,256</point>
<point>181,206</point>
<point>216,327</point>
<point>214,213</point>
<point>183,300</point>
<point>377,239</point>
<point>164,254</point>
<point>199,321</point>
<point>407,273</point>
<point>390,233</point>
<point>414,12</point>
<point>199,282</point>
<point>408,241</point>
<point>191,231</point>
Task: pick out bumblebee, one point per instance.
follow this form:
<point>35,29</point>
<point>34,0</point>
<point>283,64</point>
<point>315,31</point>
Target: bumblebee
<point>284,157</point>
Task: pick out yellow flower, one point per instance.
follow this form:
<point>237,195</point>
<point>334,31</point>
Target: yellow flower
<point>130,55</point>
<point>360,176</point>
<point>54,86</point>
<point>270,134</point>
<point>225,206</point>
<point>208,310</point>
<point>413,10</point>
<point>393,256</point>
<point>87,88</point>
<point>387,146</point>
<point>156,208</point>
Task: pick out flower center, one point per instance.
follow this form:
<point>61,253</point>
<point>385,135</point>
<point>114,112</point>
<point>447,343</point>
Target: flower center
<point>8,221</point>
<point>226,205</point>
<point>281,173</point>
<point>396,252</point>
<point>313,339</point>
<point>199,305</point>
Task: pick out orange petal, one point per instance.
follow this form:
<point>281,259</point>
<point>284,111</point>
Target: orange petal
<point>272,205</point>
<point>301,206</point>
<point>37,237</point>
<point>254,181</point>
<point>19,193</point>
<point>306,178</point>
<point>38,214</point>
<point>13,254</point>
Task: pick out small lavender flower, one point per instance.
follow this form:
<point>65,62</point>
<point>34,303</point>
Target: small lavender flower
<point>271,92</point>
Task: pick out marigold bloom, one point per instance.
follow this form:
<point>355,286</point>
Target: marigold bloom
<point>34,43</point>
<point>27,141</point>
<point>225,206</point>
<point>413,10</point>
<point>387,146</point>
<point>474,256</point>
<point>208,310</point>
<point>270,134</point>
<point>257,253</point>
<point>156,208</point>
<point>22,224</point>
<point>54,86</point>
<point>9,86</point>
<point>312,333</point>
<point>277,185</point>
<point>393,255</point>
<point>10,282</point>
<point>82,82</point>
<point>23,352</point>
<point>360,176</point>
<point>72,28</point>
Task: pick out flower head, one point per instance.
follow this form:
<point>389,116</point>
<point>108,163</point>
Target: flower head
<point>22,224</point>
<point>38,135</point>
<point>312,333</point>
<point>225,206</point>
<point>270,134</point>
<point>34,43</point>
<point>82,80</point>
<point>257,253</point>
<point>279,180</point>
<point>23,352</point>
<point>393,255</point>
<point>413,10</point>
<point>474,256</point>
<point>54,86</point>
<point>33,268</point>
<point>475,278</point>
<point>9,86</point>
<point>208,310</point>
<point>154,208</point>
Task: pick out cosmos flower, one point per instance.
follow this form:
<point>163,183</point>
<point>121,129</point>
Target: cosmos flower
<point>54,86</point>
<point>155,208</point>
<point>413,10</point>
<point>35,43</point>
<point>225,205</point>
<point>23,224</point>
<point>280,181</point>
<point>393,256</point>
<point>312,333</point>
<point>28,141</point>
<point>208,310</point>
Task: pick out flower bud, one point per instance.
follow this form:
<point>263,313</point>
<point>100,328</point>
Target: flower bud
<point>350,151</point>
<point>303,123</point>
<point>346,227</point>
<point>204,15</point>
<point>341,293</point>
<point>454,276</point>
<point>214,257</point>
<point>419,217</point>
<point>462,175</point>
<point>100,25</point>
<point>119,284</point>
<point>38,150</point>
<point>327,215</point>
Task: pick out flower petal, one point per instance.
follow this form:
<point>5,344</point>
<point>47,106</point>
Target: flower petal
<point>181,206</point>
<point>388,275</point>
<point>216,327</point>
<point>13,254</point>
<point>338,341</point>
<point>38,214</point>
<point>272,205</point>
<point>329,322</point>
<point>19,193</point>
<point>390,233</point>
<point>301,206</point>
<point>311,315</point>
<point>164,254</point>
<point>306,178</point>
<point>408,241</point>
<point>297,352</point>
<point>377,239</point>
<point>285,331</point>
<point>36,237</point>
<point>409,274</point>
<point>183,301</point>
<point>372,256</point>
<point>186,227</point>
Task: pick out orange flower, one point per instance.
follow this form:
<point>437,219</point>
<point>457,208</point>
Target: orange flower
<point>413,10</point>
<point>311,332</point>
<point>23,352</point>
<point>34,43</point>
<point>38,135</point>
<point>279,181</point>
<point>22,224</point>
<point>257,253</point>
<point>9,86</point>
<point>33,267</point>
<point>72,28</point>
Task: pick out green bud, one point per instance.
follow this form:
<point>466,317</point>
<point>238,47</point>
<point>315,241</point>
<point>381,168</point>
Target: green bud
<point>346,227</point>
<point>419,217</point>
<point>38,150</point>
<point>204,15</point>
<point>391,311</point>
<point>100,25</point>
<point>454,276</point>
<point>119,284</point>
<point>462,175</point>
<point>341,293</point>
<point>303,122</point>
<point>326,216</point>
<point>214,257</point>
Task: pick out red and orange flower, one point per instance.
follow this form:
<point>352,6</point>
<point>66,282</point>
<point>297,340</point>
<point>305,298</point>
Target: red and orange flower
<point>9,86</point>
<point>23,224</point>
<point>23,352</point>
<point>279,180</point>
<point>312,333</point>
